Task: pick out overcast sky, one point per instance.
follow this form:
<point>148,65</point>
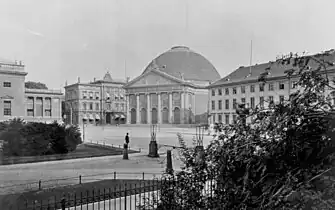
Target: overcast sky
<point>59,40</point>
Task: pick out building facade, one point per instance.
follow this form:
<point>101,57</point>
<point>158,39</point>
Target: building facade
<point>100,101</point>
<point>29,104</point>
<point>242,86</point>
<point>171,90</point>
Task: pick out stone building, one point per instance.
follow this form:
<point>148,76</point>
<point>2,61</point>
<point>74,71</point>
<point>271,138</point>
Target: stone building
<point>28,104</point>
<point>242,87</point>
<point>171,89</point>
<point>100,101</point>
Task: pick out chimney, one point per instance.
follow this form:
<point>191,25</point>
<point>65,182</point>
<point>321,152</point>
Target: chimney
<point>78,79</point>
<point>20,63</point>
<point>94,79</point>
<point>65,83</point>
<point>128,79</point>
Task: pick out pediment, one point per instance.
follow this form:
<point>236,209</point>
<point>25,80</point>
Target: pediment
<point>7,97</point>
<point>153,78</point>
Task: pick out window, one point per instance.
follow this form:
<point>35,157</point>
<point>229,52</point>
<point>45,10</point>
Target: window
<point>7,108</point>
<point>227,104</point>
<point>84,94</point>
<point>281,86</point>
<point>220,92</point>
<point>234,103</point>
<point>281,99</point>
<point>97,106</point>
<point>91,106</point>
<point>84,106</point>
<point>220,104</point>
<point>243,100</point>
<point>242,89</point>
<point>270,86</point>
<point>261,87</point>
<point>252,102</point>
<point>91,95</point>
<point>213,105</point>
<point>234,90</point>
<point>220,118</point>
<point>234,118</point>
<point>252,88</point>
<point>39,107</point>
<point>227,91</point>
<point>213,92</point>
<point>97,95</point>
<point>47,106</point>
<point>227,118</point>
<point>261,101</point>
<point>30,106</point>
<point>7,84</point>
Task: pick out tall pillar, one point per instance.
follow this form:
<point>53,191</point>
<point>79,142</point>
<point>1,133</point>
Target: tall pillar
<point>128,117</point>
<point>148,109</point>
<point>193,108</point>
<point>159,110</point>
<point>170,108</point>
<point>138,120</point>
<point>182,110</point>
<point>187,108</point>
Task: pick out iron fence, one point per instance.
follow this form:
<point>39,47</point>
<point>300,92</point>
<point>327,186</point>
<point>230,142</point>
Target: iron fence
<point>140,195</point>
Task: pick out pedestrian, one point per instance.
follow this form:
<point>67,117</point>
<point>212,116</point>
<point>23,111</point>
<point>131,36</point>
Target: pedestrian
<point>127,138</point>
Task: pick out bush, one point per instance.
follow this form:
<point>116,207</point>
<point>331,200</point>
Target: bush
<point>32,139</point>
<point>281,160</point>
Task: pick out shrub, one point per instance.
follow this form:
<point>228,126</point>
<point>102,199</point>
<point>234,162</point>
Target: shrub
<point>278,161</point>
<point>35,138</point>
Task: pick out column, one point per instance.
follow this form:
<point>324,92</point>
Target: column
<point>138,120</point>
<point>148,109</point>
<point>187,108</point>
<point>193,108</point>
<point>170,108</point>
<point>128,116</point>
<point>159,109</point>
<point>182,108</point>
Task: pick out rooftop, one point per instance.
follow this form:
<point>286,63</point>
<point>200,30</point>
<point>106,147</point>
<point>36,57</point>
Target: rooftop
<point>273,69</point>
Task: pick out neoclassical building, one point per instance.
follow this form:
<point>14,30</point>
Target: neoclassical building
<point>171,89</point>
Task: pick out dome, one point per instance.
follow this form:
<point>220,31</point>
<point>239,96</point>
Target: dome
<point>180,62</point>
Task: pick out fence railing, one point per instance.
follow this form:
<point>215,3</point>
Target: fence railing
<point>80,179</point>
<point>144,194</point>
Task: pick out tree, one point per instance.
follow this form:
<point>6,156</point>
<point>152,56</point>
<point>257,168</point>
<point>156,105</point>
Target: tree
<point>278,161</point>
<point>35,85</point>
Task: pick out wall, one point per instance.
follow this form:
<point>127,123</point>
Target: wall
<point>15,94</point>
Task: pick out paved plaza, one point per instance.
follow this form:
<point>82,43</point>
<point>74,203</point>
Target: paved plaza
<point>93,169</point>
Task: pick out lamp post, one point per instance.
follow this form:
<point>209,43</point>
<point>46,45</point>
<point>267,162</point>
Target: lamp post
<point>153,147</point>
<point>199,148</point>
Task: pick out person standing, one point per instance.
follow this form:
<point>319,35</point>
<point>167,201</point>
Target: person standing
<point>127,139</point>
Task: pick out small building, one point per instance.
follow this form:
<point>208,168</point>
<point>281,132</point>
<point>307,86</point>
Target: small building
<point>172,89</point>
<point>242,86</point>
<point>100,101</point>
<point>29,104</point>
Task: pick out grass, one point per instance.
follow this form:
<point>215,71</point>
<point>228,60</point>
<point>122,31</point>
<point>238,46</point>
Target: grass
<point>77,194</point>
<point>82,151</point>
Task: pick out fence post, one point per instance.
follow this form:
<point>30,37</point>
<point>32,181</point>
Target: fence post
<point>63,203</point>
<point>39,185</point>
<point>79,179</point>
<point>114,175</point>
<point>125,196</point>
<point>143,176</point>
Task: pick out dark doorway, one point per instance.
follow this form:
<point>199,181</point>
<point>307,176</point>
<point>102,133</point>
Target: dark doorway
<point>133,116</point>
<point>165,116</point>
<point>154,117</point>
<point>176,115</point>
<point>108,118</point>
<point>143,116</point>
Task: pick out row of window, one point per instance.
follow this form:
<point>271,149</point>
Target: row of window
<point>243,101</point>
<point>261,88</point>
<point>7,84</point>
<point>227,118</point>
<point>89,106</point>
<point>40,111</point>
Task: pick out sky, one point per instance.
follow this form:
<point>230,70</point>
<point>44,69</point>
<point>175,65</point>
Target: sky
<point>60,40</point>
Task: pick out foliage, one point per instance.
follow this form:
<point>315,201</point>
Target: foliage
<point>35,138</point>
<point>280,160</point>
<point>35,85</point>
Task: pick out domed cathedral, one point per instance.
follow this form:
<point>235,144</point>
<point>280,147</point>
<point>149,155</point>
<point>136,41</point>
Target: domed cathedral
<point>171,89</point>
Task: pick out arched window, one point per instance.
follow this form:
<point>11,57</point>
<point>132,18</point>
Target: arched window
<point>84,106</point>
